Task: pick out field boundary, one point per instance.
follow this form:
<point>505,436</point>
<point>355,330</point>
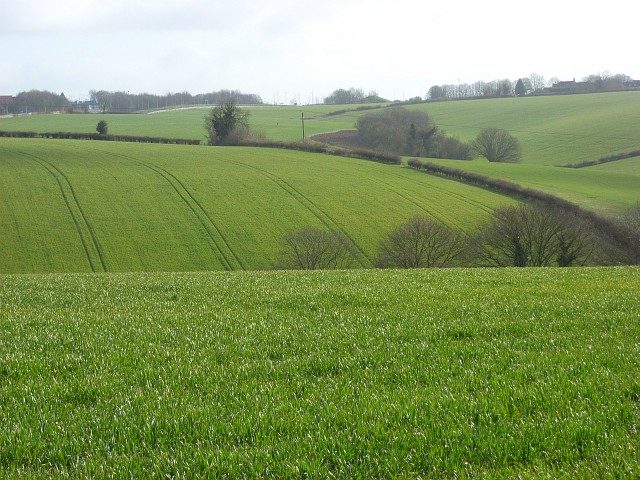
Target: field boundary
<point>100,137</point>
<point>619,233</point>
<point>601,160</point>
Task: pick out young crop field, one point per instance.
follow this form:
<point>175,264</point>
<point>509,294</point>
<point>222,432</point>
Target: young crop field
<point>81,206</point>
<point>553,130</point>
<point>608,189</point>
<point>276,122</point>
<point>449,373</point>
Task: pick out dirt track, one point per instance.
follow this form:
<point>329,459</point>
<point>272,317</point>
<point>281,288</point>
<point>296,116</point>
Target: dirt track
<point>341,138</point>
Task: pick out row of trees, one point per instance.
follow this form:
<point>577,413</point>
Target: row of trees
<point>38,101</point>
<point>343,96</point>
<point>42,101</point>
<point>414,133</point>
<point>525,235</point>
<point>128,102</point>
<point>534,84</point>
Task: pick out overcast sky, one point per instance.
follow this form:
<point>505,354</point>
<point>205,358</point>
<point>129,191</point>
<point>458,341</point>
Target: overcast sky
<point>293,49</point>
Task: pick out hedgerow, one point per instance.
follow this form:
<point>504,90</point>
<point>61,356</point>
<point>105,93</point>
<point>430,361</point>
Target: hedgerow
<point>97,136</point>
<point>317,147</point>
<point>619,235</point>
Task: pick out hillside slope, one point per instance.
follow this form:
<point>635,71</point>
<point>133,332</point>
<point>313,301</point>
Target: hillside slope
<point>73,206</point>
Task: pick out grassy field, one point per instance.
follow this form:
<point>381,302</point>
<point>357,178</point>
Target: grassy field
<point>552,130</point>
<point>277,122</point>
<point>502,373</point>
<point>608,189</point>
<point>77,206</point>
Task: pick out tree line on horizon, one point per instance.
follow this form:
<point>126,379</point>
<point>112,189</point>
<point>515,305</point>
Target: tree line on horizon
<point>44,101</point>
<point>534,84</point>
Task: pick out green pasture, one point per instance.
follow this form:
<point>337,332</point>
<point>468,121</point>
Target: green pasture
<point>608,189</point>
<point>499,373</point>
<point>553,130</point>
<point>77,206</point>
<point>277,122</point>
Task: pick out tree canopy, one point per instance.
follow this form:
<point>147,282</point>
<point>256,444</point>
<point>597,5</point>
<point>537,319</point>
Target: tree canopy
<point>227,124</point>
<point>497,145</point>
<point>408,132</point>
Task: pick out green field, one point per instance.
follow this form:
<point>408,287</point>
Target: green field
<point>177,364</point>
<point>81,206</point>
<point>277,122</point>
<point>500,373</point>
<point>608,189</point>
<point>553,130</point>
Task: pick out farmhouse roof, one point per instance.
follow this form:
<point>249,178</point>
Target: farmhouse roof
<point>567,83</point>
<point>6,99</point>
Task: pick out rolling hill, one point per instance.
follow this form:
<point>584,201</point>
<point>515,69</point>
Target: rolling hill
<point>93,206</point>
<point>73,206</point>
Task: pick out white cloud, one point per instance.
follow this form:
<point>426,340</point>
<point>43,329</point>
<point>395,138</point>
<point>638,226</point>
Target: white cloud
<point>290,48</point>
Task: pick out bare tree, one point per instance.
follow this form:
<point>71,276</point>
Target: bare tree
<point>533,236</point>
<point>420,243</point>
<point>497,145</point>
<point>408,132</point>
<point>537,81</point>
<point>315,249</point>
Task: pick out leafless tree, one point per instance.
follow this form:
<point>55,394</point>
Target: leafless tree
<point>315,249</point>
<point>420,243</point>
<point>537,81</point>
<point>533,236</point>
<point>497,145</point>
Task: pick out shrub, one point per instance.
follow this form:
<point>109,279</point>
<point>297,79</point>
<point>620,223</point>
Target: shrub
<point>420,243</point>
<point>102,127</point>
<point>314,249</point>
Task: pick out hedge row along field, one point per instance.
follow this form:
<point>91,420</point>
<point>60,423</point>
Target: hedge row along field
<point>79,206</point>
<point>552,130</point>
<point>497,373</point>
<point>100,136</point>
<point>616,232</point>
<point>607,189</point>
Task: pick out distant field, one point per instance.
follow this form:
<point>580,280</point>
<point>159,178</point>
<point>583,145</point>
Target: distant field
<point>74,206</point>
<point>553,130</point>
<point>608,189</point>
<point>278,122</point>
<point>499,373</point>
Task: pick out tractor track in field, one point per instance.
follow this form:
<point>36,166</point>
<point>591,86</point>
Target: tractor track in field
<point>217,240</point>
<point>359,254</point>
<point>412,199</point>
<point>462,198</point>
<point>199,211</point>
<point>92,246</point>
